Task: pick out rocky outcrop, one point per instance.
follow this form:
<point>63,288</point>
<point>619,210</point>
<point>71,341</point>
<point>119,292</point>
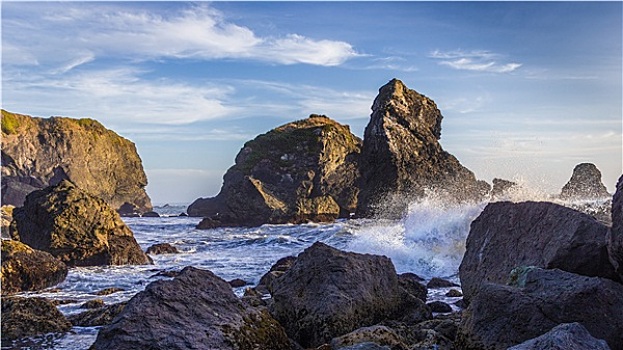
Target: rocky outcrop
<point>25,317</point>
<point>585,183</point>
<point>501,188</point>
<point>567,336</point>
<point>301,171</point>
<point>162,248</point>
<point>6,216</point>
<point>328,293</point>
<point>76,227</point>
<point>97,317</point>
<point>26,269</point>
<point>196,310</point>
<point>38,152</point>
<point>401,157</point>
<point>500,316</point>
<point>547,235</point>
<point>615,241</point>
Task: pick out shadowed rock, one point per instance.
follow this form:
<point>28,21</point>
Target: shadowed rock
<point>615,241</point>
<point>25,317</point>
<point>76,227</point>
<point>507,235</point>
<point>567,336</point>
<point>328,293</point>
<point>537,300</point>
<point>196,310</point>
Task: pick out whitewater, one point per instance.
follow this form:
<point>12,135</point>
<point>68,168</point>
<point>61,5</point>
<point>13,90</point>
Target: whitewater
<point>429,241</point>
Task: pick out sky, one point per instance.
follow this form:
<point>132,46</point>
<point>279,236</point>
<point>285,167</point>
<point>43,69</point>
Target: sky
<point>527,89</point>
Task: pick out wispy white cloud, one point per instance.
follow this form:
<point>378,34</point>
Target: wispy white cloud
<point>476,60</point>
<point>62,34</point>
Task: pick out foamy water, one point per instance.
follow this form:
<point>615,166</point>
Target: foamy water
<point>429,241</point>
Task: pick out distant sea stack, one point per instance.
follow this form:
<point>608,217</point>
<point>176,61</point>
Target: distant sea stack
<point>300,171</point>
<point>38,152</point>
<point>585,183</point>
<point>402,159</point>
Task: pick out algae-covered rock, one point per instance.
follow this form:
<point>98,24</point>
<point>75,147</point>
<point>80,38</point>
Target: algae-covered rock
<point>301,171</point>
<point>38,152</point>
<point>27,269</point>
<point>24,317</point>
<point>76,227</point>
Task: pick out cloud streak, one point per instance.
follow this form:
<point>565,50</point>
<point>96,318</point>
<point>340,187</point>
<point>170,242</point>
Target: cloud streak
<point>476,60</point>
<point>198,32</point>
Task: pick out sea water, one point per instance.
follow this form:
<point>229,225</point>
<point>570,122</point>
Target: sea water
<point>429,241</point>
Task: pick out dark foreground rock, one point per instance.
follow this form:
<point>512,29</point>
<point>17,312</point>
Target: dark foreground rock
<point>402,158</point>
<point>76,227</point>
<point>38,152</point>
<point>25,317</point>
<point>328,293</point>
<point>585,183</point>
<point>615,244</point>
<point>27,269</point>
<point>301,171</point>
<point>196,310</point>
<point>547,235</point>
<point>568,336</point>
<point>500,316</point>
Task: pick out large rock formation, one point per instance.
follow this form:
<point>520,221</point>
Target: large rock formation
<point>39,152</point>
<point>401,157</point>
<point>27,269</point>
<point>537,300</point>
<point>75,227</point>
<point>585,183</point>
<point>196,310</point>
<point>506,235</point>
<point>305,170</point>
<point>328,293</point>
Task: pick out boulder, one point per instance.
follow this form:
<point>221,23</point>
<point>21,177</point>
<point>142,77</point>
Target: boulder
<point>566,336</point>
<point>328,293</point>
<point>25,317</point>
<point>585,183</point>
<point>402,158</point>
<point>150,214</point>
<point>38,152</point>
<point>276,271</point>
<point>615,241</point>
<point>196,310</point>
<point>437,282</point>
<point>439,306</point>
<point>507,235</point>
<point>27,269</point>
<point>301,171</point>
<point>162,248</point>
<point>537,300</point>
<point>76,227</point>
<point>412,284</point>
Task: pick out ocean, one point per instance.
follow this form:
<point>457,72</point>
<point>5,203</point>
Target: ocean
<point>429,241</point>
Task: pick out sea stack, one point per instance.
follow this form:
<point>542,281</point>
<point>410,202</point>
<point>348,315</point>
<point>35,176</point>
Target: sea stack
<point>585,183</point>
<point>402,159</point>
<point>39,152</point>
<point>301,171</point>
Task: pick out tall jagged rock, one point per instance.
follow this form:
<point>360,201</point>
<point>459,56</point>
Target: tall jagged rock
<point>38,152</point>
<point>401,157</point>
<point>304,170</point>
<point>585,183</point>
<point>615,241</point>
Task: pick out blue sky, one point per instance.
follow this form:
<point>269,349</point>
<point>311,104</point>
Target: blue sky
<point>527,89</point>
